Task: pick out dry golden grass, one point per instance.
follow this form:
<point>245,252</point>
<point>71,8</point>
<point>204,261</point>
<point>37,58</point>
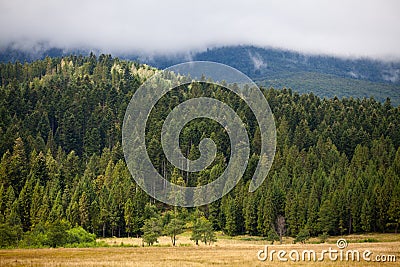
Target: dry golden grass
<point>226,252</point>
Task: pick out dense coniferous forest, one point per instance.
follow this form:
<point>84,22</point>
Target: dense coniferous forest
<point>325,76</point>
<point>336,169</point>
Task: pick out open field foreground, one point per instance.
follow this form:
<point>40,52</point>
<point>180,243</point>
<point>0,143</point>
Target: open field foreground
<point>226,252</point>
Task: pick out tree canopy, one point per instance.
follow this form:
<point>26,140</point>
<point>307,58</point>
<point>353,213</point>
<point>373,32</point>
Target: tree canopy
<point>336,169</point>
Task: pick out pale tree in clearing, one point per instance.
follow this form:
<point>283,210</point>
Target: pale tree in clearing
<point>280,227</point>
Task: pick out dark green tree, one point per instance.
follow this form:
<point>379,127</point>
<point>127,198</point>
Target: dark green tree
<point>151,230</point>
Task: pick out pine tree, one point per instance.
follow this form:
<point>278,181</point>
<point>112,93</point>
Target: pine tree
<point>94,214</point>
<point>24,204</point>
<point>366,216</point>
<point>203,231</point>
<point>230,215</point>
<point>151,230</point>
<point>92,142</point>
<point>356,205</point>
<point>5,170</point>
<point>9,201</point>
<point>39,168</point>
<point>37,197</point>
<point>326,222</point>
<point>250,214</point>
<point>14,218</point>
<point>84,210</point>
<point>178,195</point>
<point>44,210</point>
<point>57,212</point>
<point>394,208</point>
<point>18,170</point>
<point>70,169</point>
<point>174,228</point>
<point>129,216</point>
<point>104,209</point>
<point>73,215</point>
<point>2,200</point>
<point>114,213</point>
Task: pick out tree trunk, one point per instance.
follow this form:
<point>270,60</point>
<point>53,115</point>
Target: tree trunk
<point>350,225</point>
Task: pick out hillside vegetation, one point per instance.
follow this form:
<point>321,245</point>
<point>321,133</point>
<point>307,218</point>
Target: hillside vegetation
<point>336,169</point>
<point>329,86</point>
<point>324,75</point>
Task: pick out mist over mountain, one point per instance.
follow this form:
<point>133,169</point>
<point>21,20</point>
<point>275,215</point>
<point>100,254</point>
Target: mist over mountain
<point>325,76</point>
<point>268,63</point>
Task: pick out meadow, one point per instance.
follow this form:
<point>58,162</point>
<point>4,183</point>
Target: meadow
<point>227,251</point>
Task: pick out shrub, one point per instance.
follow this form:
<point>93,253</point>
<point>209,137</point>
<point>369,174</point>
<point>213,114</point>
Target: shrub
<point>79,235</point>
<point>57,235</point>
<point>323,237</point>
<point>35,238</point>
<point>272,236</point>
<point>8,235</point>
<point>303,236</point>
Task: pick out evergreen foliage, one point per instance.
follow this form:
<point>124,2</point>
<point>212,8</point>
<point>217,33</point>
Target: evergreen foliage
<point>336,169</point>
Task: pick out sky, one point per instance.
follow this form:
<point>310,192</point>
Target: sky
<point>346,28</point>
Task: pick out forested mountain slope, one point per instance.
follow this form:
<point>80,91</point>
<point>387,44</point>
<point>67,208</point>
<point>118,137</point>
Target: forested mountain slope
<point>336,169</point>
<point>323,75</point>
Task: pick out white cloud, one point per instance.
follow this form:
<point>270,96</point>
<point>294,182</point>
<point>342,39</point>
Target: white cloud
<point>257,60</point>
<point>347,28</point>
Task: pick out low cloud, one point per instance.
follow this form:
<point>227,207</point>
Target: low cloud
<point>257,60</point>
<point>345,28</point>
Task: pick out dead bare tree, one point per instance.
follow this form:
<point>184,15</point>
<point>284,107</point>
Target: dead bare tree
<point>280,227</point>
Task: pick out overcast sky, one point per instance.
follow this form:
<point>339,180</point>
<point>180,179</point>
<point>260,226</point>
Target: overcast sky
<point>338,27</point>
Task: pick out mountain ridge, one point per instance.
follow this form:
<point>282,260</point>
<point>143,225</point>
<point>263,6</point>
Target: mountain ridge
<point>271,67</point>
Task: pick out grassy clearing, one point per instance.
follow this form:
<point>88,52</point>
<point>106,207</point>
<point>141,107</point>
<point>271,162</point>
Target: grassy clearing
<point>226,252</point>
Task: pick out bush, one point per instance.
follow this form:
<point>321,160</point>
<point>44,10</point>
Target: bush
<point>303,236</point>
<point>323,237</point>
<point>9,235</point>
<point>57,235</point>
<point>35,238</point>
<point>272,236</point>
<point>79,235</point>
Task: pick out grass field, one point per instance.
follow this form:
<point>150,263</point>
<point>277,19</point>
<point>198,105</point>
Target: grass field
<point>238,251</point>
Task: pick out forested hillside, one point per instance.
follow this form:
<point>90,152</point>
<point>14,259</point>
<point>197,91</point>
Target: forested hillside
<point>336,169</point>
<point>325,76</point>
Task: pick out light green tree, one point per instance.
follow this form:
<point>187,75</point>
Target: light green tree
<point>203,231</point>
<point>174,228</point>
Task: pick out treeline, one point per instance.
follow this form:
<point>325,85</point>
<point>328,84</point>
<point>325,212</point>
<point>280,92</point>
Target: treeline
<point>336,168</point>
